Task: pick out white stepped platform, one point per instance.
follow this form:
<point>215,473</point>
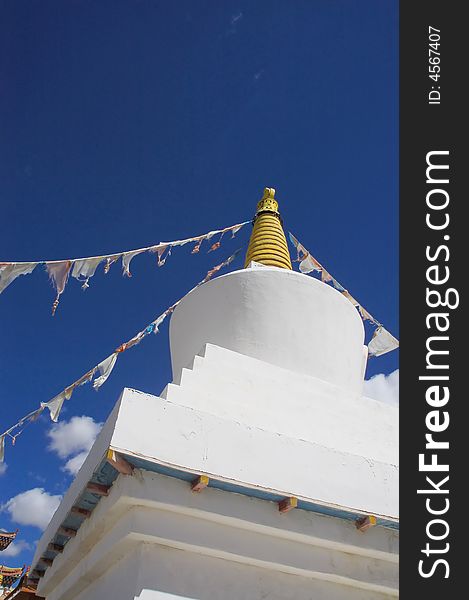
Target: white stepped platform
<point>267,403</point>
<point>150,520</point>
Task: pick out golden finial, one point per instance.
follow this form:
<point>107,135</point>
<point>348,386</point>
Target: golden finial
<point>267,202</point>
<point>268,245</point>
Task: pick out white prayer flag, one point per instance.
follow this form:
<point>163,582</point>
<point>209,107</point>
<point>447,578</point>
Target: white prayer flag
<point>365,314</point>
<point>55,405</point>
<point>309,264</point>
<point>85,269</point>
<point>85,378</point>
<point>126,258</point>
<point>157,322</point>
<point>9,272</point>
<point>382,342</point>
<point>58,272</point>
<point>105,368</point>
<point>235,230</point>
<point>349,297</point>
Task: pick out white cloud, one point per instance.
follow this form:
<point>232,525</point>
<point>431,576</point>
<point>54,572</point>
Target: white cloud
<point>3,468</point>
<point>16,548</point>
<point>73,440</point>
<point>384,388</point>
<point>33,507</point>
<point>73,464</point>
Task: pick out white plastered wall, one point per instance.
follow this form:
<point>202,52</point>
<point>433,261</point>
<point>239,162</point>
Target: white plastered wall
<point>250,391</point>
<point>214,579</point>
<point>278,316</point>
<point>232,451</point>
<point>268,371</point>
<point>153,537</point>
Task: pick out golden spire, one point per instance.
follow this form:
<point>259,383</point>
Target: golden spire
<point>268,244</point>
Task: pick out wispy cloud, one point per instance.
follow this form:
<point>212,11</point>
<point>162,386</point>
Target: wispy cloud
<point>234,21</point>
<point>36,476</point>
<point>236,18</point>
<point>72,440</point>
<point>73,465</point>
<point>384,388</point>
<point>16,548</point>
<point>258,75</point>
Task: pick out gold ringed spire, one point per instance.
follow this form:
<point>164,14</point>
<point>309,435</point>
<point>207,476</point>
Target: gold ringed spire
<point>268,244</point>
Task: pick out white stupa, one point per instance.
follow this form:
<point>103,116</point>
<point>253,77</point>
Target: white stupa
<point>260,472</point>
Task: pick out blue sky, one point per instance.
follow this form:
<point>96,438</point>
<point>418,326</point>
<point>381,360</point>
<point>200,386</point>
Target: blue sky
<point>126,123</point>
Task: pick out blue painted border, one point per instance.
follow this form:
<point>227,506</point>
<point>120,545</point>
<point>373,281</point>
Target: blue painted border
<point>105,474</point>
<point>329,511</point>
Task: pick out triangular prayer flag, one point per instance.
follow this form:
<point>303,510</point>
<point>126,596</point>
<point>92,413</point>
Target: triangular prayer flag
<point>309,264</point>
<point>10,271</point>
<point>85,269</point>
<point>337,285</point>
<point>382,342</point>
<point>55,405</point>
<point>58,272</point>
<point>105,368</point>
<point>365,314</point>
<point>110,260</point>
<point>234,230</point>
<point>126,258</point>
<point>349,297</point>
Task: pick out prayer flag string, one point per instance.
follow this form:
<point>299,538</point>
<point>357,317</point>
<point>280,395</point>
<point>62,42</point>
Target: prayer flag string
<point>382,341</point>
<point>99,373</point>
<point>83,269</point>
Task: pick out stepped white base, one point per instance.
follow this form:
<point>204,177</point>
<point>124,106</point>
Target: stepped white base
<point>248,425</point>
<point>153,538</point>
